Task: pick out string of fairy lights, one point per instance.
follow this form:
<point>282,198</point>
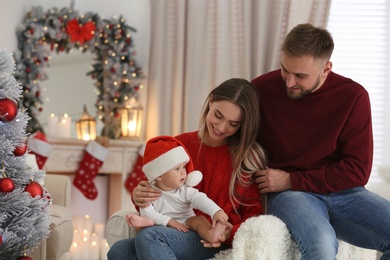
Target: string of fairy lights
<point>116,74</point>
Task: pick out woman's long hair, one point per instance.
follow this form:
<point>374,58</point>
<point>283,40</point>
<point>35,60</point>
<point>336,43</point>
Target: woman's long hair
<point>247,155</point>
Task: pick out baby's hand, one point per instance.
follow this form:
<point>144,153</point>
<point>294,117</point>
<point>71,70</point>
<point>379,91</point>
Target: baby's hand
<point>179,226</point>
<point>220,216</point>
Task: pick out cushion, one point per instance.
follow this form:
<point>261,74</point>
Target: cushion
<point>117,227</point>
<point>61,228</point>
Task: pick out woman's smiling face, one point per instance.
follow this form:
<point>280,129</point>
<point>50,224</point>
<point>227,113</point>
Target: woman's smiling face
<point>223,120</point>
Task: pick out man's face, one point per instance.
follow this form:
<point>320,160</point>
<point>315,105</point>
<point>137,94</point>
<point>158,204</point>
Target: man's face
<point>303,75</point>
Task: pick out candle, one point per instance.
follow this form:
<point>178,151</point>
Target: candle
<point>88,223</point>
<point>78,222</point>
<point>64,126</point>
<point>104,249</point>
<point>99,230</point>
<point>94,250</point>
<point>75,252</point>
<point>52,123</point>
<point>85,250</point>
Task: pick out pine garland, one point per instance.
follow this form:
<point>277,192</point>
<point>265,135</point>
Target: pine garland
<point>115,72</point>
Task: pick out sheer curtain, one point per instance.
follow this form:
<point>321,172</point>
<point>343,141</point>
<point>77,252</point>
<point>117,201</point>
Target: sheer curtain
<point>197,44</point>
<point>360,29</point>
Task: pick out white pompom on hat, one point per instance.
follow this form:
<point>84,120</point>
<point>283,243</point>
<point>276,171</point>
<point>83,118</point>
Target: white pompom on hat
<point>163,153</point>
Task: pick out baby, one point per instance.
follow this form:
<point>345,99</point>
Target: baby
<point>166,163</point>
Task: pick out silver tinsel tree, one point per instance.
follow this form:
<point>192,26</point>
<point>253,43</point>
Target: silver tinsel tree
<point>24,217</point>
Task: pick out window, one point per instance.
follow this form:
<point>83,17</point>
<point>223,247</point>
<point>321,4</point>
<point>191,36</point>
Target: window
<point>361,49</point>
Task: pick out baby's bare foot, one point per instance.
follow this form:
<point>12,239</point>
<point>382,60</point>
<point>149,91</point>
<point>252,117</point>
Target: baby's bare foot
<point>138,221</point>
<point>214,234</point>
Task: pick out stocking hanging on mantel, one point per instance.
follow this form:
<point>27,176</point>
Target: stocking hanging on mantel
<point>94,156</point>
<point>40,147</point>
<point>136,175</point>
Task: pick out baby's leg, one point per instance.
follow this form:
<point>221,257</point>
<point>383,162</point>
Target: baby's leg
<point>205,230</point>
<point>138,221</point>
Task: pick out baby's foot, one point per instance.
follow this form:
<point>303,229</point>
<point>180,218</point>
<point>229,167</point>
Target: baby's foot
<point>138,221</point>
<point>215,233</point>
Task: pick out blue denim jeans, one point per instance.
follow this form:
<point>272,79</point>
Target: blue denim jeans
<point>162,243</point>
<point>316,221</point>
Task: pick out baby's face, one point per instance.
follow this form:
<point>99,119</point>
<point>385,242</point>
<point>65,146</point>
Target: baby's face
<point>173,179</point>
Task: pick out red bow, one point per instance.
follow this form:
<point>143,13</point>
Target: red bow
<point>80,33</point>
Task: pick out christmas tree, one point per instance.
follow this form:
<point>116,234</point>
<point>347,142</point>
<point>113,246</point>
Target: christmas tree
<point>24,217</point>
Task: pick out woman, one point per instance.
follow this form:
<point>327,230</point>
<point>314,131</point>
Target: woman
<point>225,151</point>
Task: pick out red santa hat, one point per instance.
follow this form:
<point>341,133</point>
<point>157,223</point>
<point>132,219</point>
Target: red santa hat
<point>163,153</point>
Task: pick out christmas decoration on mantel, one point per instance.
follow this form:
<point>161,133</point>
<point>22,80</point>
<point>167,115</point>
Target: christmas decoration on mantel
<point>115,72</point>
<point>24,221</point>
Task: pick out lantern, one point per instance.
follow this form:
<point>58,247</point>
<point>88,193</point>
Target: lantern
<point>131,121</point>
<point>86,126</point>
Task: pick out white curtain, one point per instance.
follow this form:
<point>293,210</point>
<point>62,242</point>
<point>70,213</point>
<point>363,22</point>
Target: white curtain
<point>197,44</point>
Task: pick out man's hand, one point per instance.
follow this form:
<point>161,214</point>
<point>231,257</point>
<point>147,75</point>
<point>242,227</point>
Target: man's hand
<point>272,180</point>
<point>143,194</point>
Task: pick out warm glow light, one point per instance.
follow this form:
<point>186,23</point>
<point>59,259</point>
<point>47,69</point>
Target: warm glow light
<point>86,137</point>
<point>132,126</point>
<point>131,120</point>
<point>86,126</point>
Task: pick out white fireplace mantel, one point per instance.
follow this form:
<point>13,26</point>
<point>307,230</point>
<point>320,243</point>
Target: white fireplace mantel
<point>67,153</point>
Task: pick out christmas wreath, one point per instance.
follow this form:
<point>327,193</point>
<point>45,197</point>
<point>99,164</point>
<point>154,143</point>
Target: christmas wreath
<point>115,72</point>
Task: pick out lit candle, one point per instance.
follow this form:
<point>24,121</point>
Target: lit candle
<point>78,222</point>
<point>99,230</point>
<point>52,123</point>
<point>132,127</point>
<point>104,249</point>
<point>88,223</point>
<point>94,249</point>
<point>75,252</point>
<point>64,126</point>
<point>85,250</point>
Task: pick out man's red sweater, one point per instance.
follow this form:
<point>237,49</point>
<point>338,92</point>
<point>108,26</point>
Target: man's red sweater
<point>324,139</point>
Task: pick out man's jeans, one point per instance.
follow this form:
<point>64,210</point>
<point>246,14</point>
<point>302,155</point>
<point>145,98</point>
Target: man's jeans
<point>356,216</point>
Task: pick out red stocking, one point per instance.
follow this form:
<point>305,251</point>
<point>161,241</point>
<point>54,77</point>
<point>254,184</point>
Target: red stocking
<point>39,146</point>
<point>92,161</point>
<point>136,175</point>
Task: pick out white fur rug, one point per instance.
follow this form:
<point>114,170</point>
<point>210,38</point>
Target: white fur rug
<point>266,237</point>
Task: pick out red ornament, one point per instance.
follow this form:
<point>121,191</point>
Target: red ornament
<point>34,188</point>
<point>28,70</point>
<point>20,150</point>
<point>6,185</point>
<point>1,240</point>
<point>8,110</point>
<point>24,258</point>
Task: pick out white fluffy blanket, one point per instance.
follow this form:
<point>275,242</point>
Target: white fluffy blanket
<point>266,237</point>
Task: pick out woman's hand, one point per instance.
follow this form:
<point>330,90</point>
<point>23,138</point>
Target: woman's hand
<point>222,238</point>
<point>143,194</point>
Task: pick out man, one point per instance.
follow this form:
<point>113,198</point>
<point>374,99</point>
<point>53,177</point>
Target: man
<point>316,129</point>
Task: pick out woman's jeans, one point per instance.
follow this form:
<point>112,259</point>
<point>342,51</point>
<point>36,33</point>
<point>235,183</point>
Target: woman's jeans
<point>162,243</point>
<point>356,216</point>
